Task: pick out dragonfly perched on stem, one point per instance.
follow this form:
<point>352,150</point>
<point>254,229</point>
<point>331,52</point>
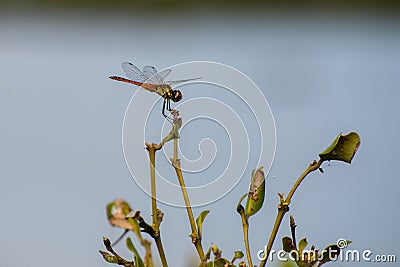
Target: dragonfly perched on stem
<point>153,81</point>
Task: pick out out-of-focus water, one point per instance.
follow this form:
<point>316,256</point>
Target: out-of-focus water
<point>322,73</point>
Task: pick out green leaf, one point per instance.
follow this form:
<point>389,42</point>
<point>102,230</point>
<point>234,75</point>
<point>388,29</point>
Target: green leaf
<point>108,257</point>
<point>238,254</point>
<point>116,213</point>
<point>287,244</point>
<point>256,194</point>
<point>109,209</point>
<point>302,245</point>
<point>221,262</point>
<point>343,148</point>
<point>174,133</point>
<point>329,253</point>
<point>131,247</point>
<point>216,251</point>
<point>208,254</point>
<point>200,220</point>
<point>287,264</point>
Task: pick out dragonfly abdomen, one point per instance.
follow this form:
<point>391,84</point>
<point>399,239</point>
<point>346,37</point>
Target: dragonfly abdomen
<point>117,78</point>
<point>147,86</point>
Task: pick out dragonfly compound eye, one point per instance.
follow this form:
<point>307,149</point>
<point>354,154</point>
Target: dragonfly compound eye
<point>177,96</point>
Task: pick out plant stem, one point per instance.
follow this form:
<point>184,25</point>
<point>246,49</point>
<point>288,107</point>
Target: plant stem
<point>120,260</point>
<point>283,207</point>
<point>312,167</point>
<point>148,259</point>
<point>245,224</point>
<point>175,148</point>
<point>161,250</point>
<point>152,155</point>
<point>271,240</point>
<point>196,240</point>
<point>174,134</point>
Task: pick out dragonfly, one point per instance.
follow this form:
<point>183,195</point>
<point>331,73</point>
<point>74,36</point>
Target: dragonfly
<point>152,80</point>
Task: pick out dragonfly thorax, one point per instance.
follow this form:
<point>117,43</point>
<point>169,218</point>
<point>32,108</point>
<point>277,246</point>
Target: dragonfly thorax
<point>169,93</point>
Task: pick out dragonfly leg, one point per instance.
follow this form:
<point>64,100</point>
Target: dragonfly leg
<point>169,104</point>
<point>163,107</point>
<point>166,102</point>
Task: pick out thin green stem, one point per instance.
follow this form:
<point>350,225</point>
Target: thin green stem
<point>278,220</point>
<point>196,240</point>
<point>174,134</point>
<point>175,148</point>
<point>152,152</point>
<point>161,251</point>
<point>312,167</point>
<point>283,207</point>
<point>185,197</point>
<point>245,224</point>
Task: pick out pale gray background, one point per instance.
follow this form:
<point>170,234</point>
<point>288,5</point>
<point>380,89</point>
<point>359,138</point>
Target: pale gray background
<point>322,71</point>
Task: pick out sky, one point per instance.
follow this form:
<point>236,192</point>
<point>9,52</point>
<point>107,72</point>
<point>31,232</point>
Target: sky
<point>322,72</point>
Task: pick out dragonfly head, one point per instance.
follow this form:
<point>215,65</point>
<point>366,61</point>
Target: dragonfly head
<point>176,95</point>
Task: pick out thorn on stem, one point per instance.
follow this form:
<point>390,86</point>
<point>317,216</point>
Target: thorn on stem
<point>107,242</point>
<point>193,236</point>
<point>292,223</point>
<point>160,216</point>
<point>281,197</point>
<point>293,230</point>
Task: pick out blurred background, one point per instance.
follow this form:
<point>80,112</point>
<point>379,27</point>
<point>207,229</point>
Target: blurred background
<point>324,66</point>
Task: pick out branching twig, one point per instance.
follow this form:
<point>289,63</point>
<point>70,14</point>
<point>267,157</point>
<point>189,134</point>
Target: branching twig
<point>283,207</point>
<point>148,259</point>
<point>196,240</point>
<point>146,228</point>
<point>114,258</point>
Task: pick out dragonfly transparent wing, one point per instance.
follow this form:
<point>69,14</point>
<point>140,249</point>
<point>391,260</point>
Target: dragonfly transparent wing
<point>179,82</point>
<point>159,77</point>
<point>149,71</point>
<point>133,72</point>
<point>148,75</point>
